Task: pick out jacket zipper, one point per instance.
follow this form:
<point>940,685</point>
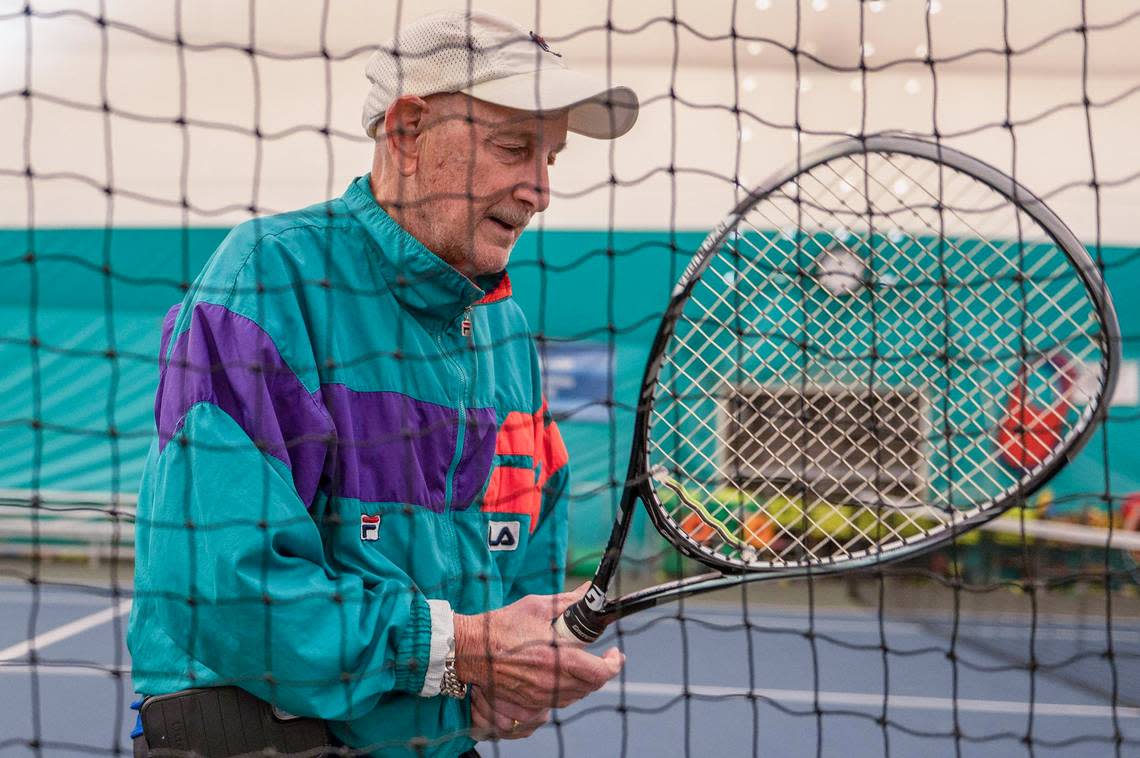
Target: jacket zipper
<point>455,570</point>
<point>465,329</point>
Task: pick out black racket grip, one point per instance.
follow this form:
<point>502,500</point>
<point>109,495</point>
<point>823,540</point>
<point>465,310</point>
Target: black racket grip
<point>579,624</point>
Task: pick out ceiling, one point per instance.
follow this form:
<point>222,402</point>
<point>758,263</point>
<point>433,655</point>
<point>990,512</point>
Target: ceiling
<point>965,34</point>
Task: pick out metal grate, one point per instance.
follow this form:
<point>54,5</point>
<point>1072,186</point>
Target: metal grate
<point>836,443</point>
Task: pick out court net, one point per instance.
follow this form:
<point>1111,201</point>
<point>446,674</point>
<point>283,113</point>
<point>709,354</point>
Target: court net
<point>120,175</point>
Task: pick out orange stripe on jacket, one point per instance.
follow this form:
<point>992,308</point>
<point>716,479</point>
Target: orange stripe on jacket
<point>552,451</point>
<point>512,489</point>
<point>517,435</point>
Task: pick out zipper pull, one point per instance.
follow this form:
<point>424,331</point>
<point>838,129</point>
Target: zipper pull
<point>465,324</point>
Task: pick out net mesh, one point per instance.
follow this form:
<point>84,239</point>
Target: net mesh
<point>135,134</point>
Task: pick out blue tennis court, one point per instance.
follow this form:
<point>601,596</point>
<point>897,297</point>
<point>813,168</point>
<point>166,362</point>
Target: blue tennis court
<point>704,686</point>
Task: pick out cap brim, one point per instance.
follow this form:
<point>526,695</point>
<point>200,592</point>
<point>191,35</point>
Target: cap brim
<point>596,110</point>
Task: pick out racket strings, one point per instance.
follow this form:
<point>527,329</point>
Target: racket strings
<point>839,375</point>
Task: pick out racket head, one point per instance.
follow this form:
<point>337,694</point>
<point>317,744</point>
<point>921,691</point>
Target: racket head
<point>879,348</point>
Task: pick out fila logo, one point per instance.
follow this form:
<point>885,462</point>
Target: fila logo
<point>502,535</point>
<point>369,527</point>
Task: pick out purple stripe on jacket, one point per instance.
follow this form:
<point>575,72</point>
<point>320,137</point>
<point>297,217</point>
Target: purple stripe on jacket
<point>229,361</point>
<point>388,447</point>
<point>475,462</point>
<point>391,448</point>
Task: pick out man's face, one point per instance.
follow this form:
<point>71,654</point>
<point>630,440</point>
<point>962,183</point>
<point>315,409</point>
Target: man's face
<point>478,183</point>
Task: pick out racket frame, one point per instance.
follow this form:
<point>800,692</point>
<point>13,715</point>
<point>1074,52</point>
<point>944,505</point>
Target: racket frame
<point>587,619</point>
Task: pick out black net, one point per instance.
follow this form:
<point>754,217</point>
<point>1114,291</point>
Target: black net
<point>135,136</point>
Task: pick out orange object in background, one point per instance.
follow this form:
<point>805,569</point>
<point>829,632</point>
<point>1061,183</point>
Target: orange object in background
<point>1130,517</point>
<point>1130,512</point>
<point>759,530</point>
<point>693,526</point>
<point>1029,433</point>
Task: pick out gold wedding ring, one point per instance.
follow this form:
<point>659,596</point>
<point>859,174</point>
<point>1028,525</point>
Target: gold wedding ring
<point>515,725</point>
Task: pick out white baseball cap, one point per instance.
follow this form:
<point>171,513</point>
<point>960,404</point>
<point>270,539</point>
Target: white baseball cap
<point>492,59</point>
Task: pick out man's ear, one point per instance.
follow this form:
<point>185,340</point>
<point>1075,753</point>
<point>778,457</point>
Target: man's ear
<point>404,124</point>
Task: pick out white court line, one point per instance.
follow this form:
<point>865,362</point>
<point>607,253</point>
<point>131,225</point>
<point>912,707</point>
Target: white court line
<point>70,629</point>
<point>41,670</point>
<point>906,702</point>
<point>71,596</point>
<point>1045,632</point>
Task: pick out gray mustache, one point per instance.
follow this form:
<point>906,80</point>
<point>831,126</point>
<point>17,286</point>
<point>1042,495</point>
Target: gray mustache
<point>511,216</point>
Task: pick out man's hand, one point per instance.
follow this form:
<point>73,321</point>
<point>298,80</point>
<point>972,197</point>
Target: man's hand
<point>513,654</point>
<point>499,719</point>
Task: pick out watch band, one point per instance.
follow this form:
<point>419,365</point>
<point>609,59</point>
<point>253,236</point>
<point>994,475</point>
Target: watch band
<point>450,685</point>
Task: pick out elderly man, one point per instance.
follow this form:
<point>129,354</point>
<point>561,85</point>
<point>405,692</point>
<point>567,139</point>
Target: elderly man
<point>354,516</point>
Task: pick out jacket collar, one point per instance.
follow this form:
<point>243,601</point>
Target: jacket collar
<point>418,278</point>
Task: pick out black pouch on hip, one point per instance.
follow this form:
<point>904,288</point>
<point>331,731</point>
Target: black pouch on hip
<point>225,722</point>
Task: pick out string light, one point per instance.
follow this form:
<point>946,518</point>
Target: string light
<point>755,48</point>
<point>934,6</point>
<point>868,49</point>
<point>920,51</point>
<point>912,87</point>
<point>819,5</point>
<point>763,5</point>
<point>749,84</point>
<point>805,84</point>
<point>745,134</point>
<point>876,6</point>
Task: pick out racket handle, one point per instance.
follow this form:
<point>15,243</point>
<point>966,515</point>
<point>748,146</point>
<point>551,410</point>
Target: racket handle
<point>579,624</point>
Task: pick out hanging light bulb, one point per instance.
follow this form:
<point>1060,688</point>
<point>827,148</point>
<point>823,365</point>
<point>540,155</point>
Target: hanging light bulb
<point>745,134</point>
<point>749,84</point>
<point>819,5</point>
<point>934,6</point>
<point>868,49</point>
<point>755,48</point>
<point>912,87</point>
<point>876,6</point>
<point>763,5</point>
<point>805,84</point>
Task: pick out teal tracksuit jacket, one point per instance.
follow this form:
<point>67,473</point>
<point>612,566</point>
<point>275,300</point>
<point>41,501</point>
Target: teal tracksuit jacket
<point>352,445</point>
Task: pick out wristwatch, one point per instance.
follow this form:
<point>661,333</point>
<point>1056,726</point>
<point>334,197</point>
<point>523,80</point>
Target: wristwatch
<point>450,684</point>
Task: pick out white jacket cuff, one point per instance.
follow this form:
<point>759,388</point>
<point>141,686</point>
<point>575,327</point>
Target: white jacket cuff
<point>442,634</point>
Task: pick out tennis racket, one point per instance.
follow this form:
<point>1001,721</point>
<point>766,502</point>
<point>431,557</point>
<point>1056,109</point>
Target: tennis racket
<point>881,347</point>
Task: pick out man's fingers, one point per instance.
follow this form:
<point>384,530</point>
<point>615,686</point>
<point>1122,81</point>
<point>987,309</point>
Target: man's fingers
<point>564,600</point>
<point>498,717</point>
<point>615,658</point>
<point>589,669</point>
<point>527,728</point>
<point>513,710</point>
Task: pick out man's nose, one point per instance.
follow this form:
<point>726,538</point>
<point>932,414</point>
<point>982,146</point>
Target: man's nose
<point>534,190</point>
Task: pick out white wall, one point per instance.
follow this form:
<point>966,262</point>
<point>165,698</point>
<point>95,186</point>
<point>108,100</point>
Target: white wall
<point>142,78</point>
